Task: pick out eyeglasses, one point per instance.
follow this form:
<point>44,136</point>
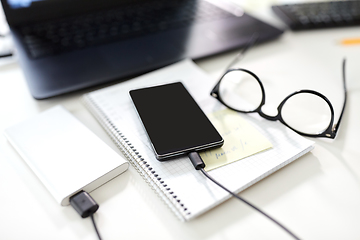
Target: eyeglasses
<point>306,112</point>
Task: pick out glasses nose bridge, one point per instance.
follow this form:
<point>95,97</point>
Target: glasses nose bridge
<point>268,117</point>
<point>263,101</point>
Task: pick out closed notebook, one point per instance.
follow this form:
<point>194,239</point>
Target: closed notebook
<point>186,191</point>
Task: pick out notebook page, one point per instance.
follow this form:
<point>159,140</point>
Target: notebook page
<point>190,187</point>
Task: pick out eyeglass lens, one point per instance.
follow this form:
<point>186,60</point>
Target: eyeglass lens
<point>304,112</point>
<point>240,90</point>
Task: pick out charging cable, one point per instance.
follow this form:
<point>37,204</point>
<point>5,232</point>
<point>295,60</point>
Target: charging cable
<point>200,165</point>
<point>86,206</point>
<point>5,46</point>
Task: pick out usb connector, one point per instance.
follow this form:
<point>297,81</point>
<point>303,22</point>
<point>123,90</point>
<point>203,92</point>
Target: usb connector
<point>86,206</point>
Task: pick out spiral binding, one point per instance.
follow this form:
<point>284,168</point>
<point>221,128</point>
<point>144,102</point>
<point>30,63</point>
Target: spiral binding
<point>145,170</point>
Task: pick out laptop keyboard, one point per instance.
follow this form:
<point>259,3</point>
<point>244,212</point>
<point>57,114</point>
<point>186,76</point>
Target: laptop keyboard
<point>116,24</point>
<point>302,16</point>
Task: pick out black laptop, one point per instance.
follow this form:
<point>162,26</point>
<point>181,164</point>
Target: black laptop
<point>68,45</point>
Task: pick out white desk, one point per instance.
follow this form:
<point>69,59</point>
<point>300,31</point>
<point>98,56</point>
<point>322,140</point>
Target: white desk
<point>317,196</point>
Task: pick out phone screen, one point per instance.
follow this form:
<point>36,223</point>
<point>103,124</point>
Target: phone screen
<point>174,123</point>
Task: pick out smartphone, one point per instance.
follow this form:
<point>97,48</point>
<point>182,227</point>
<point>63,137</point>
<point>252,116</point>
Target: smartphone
<point>173,121</point>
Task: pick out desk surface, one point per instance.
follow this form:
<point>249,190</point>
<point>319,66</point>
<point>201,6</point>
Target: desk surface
<point>317,196</point>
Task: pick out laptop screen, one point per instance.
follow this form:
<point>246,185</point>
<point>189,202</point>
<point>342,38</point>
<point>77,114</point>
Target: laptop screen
<point>23,12</point>
<point>15,4</point>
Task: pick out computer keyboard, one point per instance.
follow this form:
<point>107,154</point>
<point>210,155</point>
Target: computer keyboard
<point>116,24</point>
<point>317,15</point>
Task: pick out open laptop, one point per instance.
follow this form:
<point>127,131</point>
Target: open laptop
<point>68,45</point>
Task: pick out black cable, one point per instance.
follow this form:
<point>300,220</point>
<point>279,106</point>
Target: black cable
<point>94,223</point>
<point>6,55</point>
<point>248,203</point>
<point>86,206</point>
<point>200,165</point>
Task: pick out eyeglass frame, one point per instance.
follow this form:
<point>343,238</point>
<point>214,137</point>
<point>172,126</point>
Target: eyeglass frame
<point>329,132</point>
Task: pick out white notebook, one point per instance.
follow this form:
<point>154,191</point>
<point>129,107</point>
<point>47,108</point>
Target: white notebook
<point>186,191</point>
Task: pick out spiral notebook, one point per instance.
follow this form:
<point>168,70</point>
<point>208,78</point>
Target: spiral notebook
<point>183,189</point>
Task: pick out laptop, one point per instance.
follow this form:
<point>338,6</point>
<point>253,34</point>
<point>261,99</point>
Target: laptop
<point>67,45</point>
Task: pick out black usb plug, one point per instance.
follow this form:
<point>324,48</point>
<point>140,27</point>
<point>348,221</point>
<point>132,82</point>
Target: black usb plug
<point>86,206</point>
<point>196,160</point>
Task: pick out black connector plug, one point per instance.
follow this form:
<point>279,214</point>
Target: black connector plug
<point>196,160</point>
<point>84,204</point>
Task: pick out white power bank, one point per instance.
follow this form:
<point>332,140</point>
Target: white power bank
<point>65,155</point>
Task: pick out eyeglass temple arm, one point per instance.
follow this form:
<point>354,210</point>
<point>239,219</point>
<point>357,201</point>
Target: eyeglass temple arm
<point>336,126</point>
<point>240,55</point>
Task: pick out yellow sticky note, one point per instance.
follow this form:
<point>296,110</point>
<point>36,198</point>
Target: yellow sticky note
<point>240,140</point>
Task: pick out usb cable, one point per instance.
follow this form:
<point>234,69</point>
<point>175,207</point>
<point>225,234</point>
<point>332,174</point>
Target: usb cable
<point>5,43</point>
<point>200,165</point>
<point>86,206</point>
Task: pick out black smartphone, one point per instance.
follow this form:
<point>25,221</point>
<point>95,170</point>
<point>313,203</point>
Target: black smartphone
<point>173,121</point>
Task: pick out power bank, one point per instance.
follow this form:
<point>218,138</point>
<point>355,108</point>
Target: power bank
<point>65,155</point>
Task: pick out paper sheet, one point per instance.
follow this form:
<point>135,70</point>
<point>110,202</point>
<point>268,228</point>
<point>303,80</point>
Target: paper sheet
<point>240,140</point>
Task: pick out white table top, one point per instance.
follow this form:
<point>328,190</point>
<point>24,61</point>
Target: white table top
<point>317,196</point>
